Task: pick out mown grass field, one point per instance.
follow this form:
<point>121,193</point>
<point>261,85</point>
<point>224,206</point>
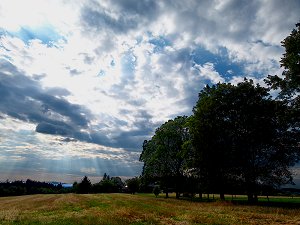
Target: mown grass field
<point>137,209</point>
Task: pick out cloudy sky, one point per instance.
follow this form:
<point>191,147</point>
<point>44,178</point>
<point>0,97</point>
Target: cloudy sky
<point>83,83</point>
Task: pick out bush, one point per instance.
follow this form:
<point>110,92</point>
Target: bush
<point>156,190</point>
<point>133,185</point>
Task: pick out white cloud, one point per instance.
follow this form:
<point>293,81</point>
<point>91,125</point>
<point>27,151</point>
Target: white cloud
<point>208,71</point>
<point>88,170</point>
<point>34,13</point>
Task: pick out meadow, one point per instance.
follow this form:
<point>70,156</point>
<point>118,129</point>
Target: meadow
<point>141,209</point>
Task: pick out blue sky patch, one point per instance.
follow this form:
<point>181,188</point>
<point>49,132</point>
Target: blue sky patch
<point>160,43</point>
<point>222,64</point>
<point>128,63</point>
<point>46,34</point>
<point>101,73</point>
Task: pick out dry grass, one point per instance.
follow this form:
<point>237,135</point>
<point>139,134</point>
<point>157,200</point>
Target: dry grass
<point>135,209</point>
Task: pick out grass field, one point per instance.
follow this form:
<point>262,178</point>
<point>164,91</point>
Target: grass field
<point>136,209</point>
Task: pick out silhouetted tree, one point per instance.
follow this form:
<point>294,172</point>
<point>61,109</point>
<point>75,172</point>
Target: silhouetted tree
<point>117,183</point>
<point>156,190</point>
<point>108,185</point>
<point>104,176</point>
<point>84,186</point>
<point>133,185</point>
<point>163,156</point>
<point>75,187</point>
<point>240,133</point>
<point>290,82</point>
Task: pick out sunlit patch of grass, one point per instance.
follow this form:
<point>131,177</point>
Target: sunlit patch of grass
<point>135,209</point>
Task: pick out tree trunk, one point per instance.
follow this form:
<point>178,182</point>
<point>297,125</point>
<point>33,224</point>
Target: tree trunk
<point>167,192</point>
<point>251,190</point>
<point>222,196</point>
<point>255,198</point>
<point>250,198</point>
<point>177,187</point>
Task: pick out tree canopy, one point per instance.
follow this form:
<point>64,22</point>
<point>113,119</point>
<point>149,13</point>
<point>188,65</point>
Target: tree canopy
<point>240,133</point>
<point>290,82</point>
<point>162,155</point>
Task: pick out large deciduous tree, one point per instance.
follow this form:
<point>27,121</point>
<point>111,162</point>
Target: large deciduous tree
<point>240,133</point>
<point>162,155</point>
<point>209,129</point>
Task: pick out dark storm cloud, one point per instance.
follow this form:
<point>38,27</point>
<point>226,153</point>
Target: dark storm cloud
<point>194,17</point>
<point>234,20</point>
<point>49,128</point>
<point>143,128</point>
<point>56,91</point>
<point>211,24</point>
<point>38,77</point>
<point>74,112</point>
<point>131,14</point>
<point>100,20</point>
<point>22,98</point>
<point>148,8</point>
<point>132,140</point>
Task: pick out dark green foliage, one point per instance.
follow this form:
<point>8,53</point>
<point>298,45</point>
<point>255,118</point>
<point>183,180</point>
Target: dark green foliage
<point>85,186</point>
<point>109,185</point>
<point>75,187</point>
<point>163,155</point>
<point>239,140</point>
<point>118,184</point>
<point>133,185</point>
<point>290,83</point>
<point>156,190</point>
<point>239,133</point>
<point>104,186</point>
<point>30,187</point>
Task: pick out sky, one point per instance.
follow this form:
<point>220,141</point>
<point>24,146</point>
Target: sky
<point>84,83</point>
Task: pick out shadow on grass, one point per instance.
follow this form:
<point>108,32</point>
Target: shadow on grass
<point>194,199</point>
<point>286,203</point>
<point>273,203</point>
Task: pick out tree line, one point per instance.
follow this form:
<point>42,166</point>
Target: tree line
<point>28,187</point>
<point>106,185</point>
<point>240,138</point>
